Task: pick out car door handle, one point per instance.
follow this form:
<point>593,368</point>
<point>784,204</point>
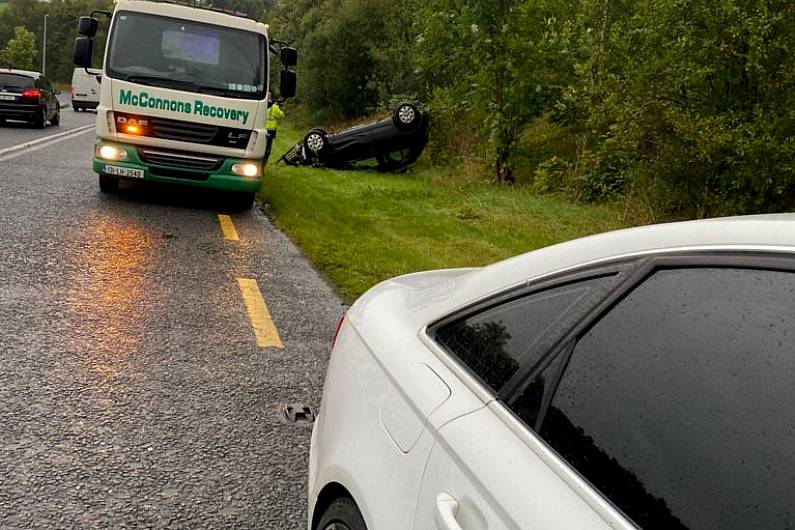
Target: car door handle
<point>445,512</point>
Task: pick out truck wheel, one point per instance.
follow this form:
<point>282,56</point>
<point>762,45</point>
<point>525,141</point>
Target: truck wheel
<point>315,141</point>
<point>108,184</point>
<point>243,201</point>
<point>406,116</point>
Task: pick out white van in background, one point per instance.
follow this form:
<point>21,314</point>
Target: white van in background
<point>85,88</point>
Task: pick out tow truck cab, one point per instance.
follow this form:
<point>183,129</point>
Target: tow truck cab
<point>184,96</point>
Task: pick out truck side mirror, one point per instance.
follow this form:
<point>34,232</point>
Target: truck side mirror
<point>84,48</point>
<point>288,56</point>
<point>288,84</point>
<point>87,26</point>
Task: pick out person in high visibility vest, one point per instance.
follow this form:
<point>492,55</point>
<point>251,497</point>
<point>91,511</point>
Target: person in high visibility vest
<point>274,116</point>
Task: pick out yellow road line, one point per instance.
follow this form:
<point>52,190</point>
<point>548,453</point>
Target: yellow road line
<point>264,328</point>
<point>227,227</point>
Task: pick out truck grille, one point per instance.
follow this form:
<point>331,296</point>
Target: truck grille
<point>180,159</point>
<point>183,131</point>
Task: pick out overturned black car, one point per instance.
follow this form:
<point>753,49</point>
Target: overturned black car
<point>390,144</point>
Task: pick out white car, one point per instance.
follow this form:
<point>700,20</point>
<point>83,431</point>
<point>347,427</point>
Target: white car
<point>638,379</point>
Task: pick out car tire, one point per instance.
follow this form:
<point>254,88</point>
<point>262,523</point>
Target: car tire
<point>56,120</point>
<point>315,141</point>
<point>342,514</point>
<point>40,121</point>
<point>406,116</point>
<point>108,184</point>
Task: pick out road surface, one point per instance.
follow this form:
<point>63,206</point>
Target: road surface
<point>141,378</point>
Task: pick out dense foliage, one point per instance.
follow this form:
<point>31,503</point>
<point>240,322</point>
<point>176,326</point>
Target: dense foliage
<point>683,105</point>
<point>20,50</point>
<point>61,31</point>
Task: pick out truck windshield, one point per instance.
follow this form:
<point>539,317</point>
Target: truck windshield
<point>187,55</point>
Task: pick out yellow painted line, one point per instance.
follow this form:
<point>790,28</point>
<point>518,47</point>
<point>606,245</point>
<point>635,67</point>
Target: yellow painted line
<point>264,328</point>
<point>228,227</point>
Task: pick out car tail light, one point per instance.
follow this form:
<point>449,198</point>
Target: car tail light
<point>34,94</point>
<point>337,332</point>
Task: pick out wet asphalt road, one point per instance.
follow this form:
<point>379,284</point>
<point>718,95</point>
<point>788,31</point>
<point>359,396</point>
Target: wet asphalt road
<point>132,391</point>
<point>15,133</point>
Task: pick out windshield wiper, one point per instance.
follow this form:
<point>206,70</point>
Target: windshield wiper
<point>225,92</point>
<point>164,82</point>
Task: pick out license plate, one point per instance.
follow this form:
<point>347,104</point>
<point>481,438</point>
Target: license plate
<point>3,97</point>
<point>123,172</point>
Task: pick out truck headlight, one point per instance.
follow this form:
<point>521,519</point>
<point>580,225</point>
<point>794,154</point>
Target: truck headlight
<point>110,152</point>
<point>246,169</point>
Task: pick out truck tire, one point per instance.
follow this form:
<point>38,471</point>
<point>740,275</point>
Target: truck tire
<point>108,184</point>
<point>243,201</point>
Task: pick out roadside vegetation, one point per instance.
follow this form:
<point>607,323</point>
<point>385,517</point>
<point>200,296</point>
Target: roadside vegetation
<point>359,228</point>
<point>684,107</point>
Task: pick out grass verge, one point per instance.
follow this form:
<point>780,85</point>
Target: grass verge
<point>359,228</point>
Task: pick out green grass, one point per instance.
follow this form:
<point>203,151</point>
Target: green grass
<point>359,228</point>
<point>64,87</point>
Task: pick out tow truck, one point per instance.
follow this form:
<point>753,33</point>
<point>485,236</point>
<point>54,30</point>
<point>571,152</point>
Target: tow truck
<point>184,96</point>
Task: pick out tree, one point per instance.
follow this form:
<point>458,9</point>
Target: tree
<point>21,51</point>
<point>499,58</point>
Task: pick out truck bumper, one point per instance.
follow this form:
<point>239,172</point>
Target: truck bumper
<point>221,178</point>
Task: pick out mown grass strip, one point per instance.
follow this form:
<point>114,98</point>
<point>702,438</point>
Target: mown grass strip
<point>359,228</point>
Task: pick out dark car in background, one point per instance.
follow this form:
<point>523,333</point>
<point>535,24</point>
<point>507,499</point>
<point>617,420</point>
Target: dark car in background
<point>28,96</point>
<point>392,143</point>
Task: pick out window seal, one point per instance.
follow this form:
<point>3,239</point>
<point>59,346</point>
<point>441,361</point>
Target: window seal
<point>527,288</point>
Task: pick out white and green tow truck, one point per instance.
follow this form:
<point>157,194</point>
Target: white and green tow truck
<point>184,96</point>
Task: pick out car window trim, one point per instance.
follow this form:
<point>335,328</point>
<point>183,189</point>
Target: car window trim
<point>644,267</point>
<point>516,292</point>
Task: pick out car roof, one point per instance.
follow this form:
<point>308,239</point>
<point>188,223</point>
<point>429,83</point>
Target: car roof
<point>756,232</point>
<point>433,295</point>
<point>28,73</point>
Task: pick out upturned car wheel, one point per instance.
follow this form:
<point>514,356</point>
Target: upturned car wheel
<point>315,141</point>
<point>406,116</point>
<point>342,514</point>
